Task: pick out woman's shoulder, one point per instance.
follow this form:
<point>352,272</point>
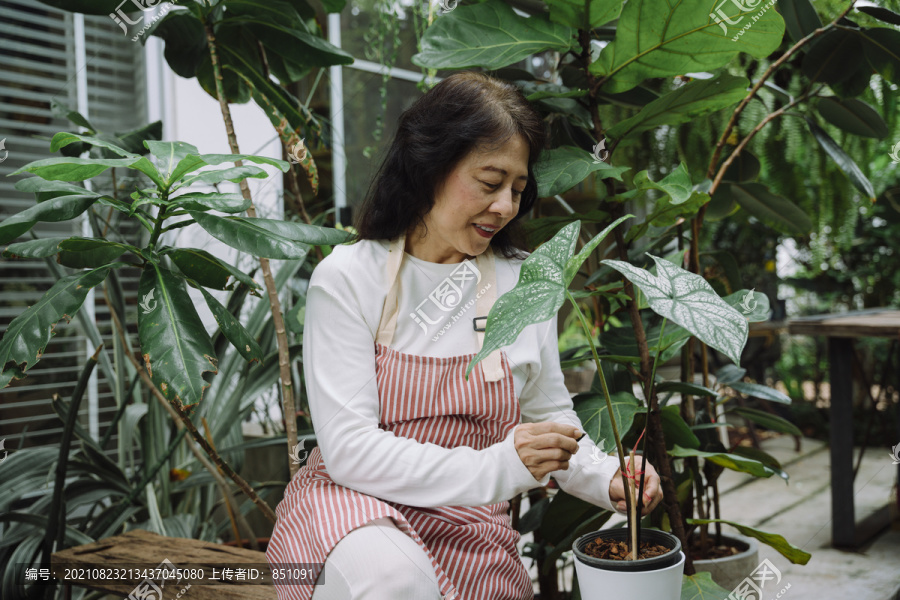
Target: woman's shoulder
<point>352,265</point>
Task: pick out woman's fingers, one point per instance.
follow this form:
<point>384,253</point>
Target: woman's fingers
<point>545,447</point>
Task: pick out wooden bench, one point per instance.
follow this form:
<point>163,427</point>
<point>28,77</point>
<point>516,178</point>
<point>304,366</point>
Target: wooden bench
<point>145,549</point>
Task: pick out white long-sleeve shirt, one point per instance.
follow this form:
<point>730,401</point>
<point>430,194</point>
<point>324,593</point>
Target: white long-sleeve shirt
<point>344,302</point>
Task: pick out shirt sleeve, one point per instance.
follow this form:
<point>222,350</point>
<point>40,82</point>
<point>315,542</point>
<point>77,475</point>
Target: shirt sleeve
<point>339,371</point>
<point>546,398</point>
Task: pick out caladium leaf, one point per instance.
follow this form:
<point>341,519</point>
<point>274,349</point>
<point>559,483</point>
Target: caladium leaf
<point>543,280</point>
<point>177,350</point>
<point>28,334</point>
<point>688,300</point>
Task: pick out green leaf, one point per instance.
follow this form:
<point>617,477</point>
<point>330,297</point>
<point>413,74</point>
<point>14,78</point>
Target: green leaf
<point>675,430</point>
<point>560,169</point>
<point>843,160</point>
<point>881,47</point>
<point>40,248</point>
<point>177,350</point>
<point>700,586</point>
<point>89,253</point>
<point>490,35</point>
<point>729,374</point>
<point>882,14</point>
<point>854,116</point>
<point>790,552</point>
<point>729,461</point>
<point>833,57</point>
<point>29,333</point>
<point>61,208</point>
<point>192,162</point>
<point>662,40</point>
<point>800,19</point>
<point>64,138</point>
<point>688,300</point>
<point>233,330</point>
<point>686,103</point>
<point>233,174</point>
<point>228,203</point>
<point>79,169</point>
<point>759,391</point>
<point>753,305</point>
<point>594,416</point>
<point>301,232</point>
<point>207,270</point>
<point>543,280</point>
<point>776,211</point>
<point>169,154</point>
<point>683,387</point>
<point>44,190</point>
<point>676,184</point>
<point>763,457</point>
<point>572,12</point>
<point>238,233</point>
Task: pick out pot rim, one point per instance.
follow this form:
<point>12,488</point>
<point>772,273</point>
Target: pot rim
<point>643,564</point>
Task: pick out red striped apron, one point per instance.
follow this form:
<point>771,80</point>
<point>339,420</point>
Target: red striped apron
<point>472,549</point>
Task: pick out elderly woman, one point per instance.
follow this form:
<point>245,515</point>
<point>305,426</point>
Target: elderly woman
<point>406,495</point>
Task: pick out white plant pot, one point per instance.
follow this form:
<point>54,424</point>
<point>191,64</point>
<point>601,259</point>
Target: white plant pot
<point>657,578</point>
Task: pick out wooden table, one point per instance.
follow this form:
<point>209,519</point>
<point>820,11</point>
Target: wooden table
<point>841,329</point>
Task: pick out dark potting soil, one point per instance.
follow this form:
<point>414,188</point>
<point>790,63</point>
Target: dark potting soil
<point>711,552</point>
<point>618,550</point>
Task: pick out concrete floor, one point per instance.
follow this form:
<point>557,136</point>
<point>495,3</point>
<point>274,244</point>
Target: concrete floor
<point>801,512</point>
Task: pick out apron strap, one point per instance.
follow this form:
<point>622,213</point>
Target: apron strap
<point>492,366</point>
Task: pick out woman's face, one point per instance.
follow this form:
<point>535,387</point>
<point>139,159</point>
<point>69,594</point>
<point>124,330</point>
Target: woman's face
<point>484,190</point>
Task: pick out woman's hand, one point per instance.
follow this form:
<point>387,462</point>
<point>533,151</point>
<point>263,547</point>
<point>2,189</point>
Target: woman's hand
<point>652,491</point>
<point>545,447</point>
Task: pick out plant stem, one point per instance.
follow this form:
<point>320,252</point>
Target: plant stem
<point>612,419</point>
<point>287,387</point>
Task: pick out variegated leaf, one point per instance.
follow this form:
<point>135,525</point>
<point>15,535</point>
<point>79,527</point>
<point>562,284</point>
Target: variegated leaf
<point>688,300</point>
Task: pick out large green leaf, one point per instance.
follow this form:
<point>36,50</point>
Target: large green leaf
<point>543,280</point>
<point>800,19</point>
<point>833,57</point>
<point>301,232</point>
<point>227,203</point>
<point>64,138</point>
<point>79,169</point>
<point>61,208</point>
<point>572,12</point>
<point>233,174</point>
<point>790,552</point>
<point>724,459</point>
<point>40,248</point>
<point>843,160</point>
<point>206,269</point>
<point>192,161</point>
<point>238,233</point>
<point>663,40</point>
<point>27,335</point>
<point>688,300</point>
<point>700,586</point>
<point>691,101</point>
<point>759,391</point>
<point>177,350</point>
<point>881,46</point>
<point>675,430</point>
<point>767,420</point>
<point>89,253</point>
<point>853,115</point>
<point>762,456</point>
<point>594,416</point>
<point>489,34</point>
<point>233,330</point>
<point>776,211</point>
<point>560,169</point>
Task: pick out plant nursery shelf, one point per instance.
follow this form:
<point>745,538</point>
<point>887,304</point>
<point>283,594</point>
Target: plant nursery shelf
<point>146,550</point>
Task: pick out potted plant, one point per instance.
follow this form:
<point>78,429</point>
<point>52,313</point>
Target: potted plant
<point>615,561</point>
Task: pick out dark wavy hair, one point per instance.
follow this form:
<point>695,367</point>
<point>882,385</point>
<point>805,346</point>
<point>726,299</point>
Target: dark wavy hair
<point>464,112</point>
